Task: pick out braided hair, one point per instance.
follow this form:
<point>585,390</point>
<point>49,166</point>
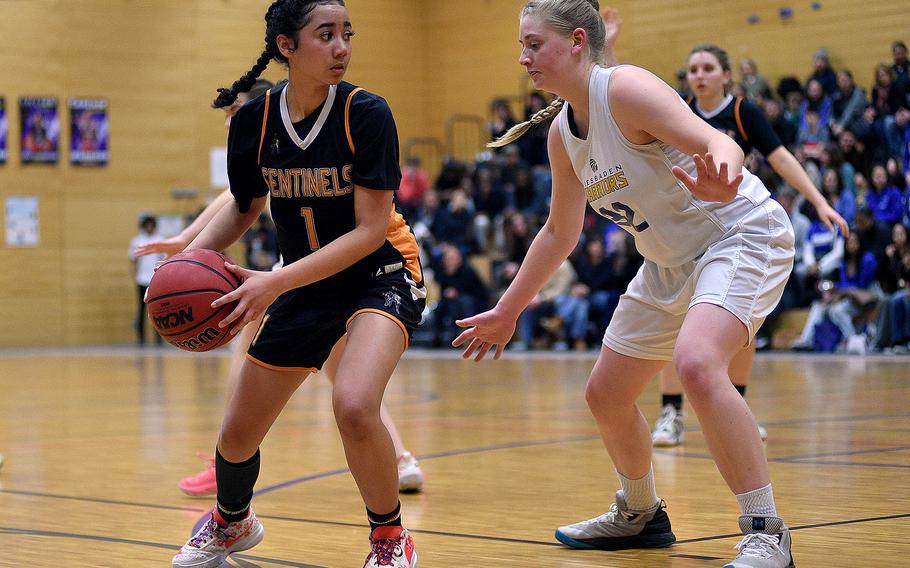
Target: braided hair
<point>284,17</point>
<point>521,128</point>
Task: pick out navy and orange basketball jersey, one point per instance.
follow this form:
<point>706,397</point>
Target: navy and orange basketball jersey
<point>309,170</point>
<point>742,121</point>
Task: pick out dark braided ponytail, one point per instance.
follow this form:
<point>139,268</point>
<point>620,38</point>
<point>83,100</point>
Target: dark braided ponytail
<point>284,17</point>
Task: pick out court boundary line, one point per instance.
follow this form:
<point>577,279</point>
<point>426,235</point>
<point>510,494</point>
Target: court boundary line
<point>147,543</point>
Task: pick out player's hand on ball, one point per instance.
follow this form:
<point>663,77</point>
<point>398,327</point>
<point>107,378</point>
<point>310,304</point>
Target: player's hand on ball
<point>253,297</point>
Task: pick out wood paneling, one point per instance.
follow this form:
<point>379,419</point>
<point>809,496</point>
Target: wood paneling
<point>160,62</point>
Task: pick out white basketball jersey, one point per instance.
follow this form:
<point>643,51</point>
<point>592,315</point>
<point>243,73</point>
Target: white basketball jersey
<point>633,185</point>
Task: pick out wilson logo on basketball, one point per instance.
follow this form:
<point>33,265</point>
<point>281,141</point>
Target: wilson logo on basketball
<point>210,335</point>
<point>175,319</point>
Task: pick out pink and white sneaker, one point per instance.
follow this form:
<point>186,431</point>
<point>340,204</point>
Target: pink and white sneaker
<point>202,484</point>
<point>393,547</point>
<point>213,542</point>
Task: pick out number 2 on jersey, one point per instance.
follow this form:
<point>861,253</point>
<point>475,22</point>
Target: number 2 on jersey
<point>307,214</point>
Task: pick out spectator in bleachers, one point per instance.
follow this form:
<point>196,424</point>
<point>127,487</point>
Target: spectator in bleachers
<point>818,100</point>
<point>897,134</point>
<point>885,199</point>
<point>454,223</point>
<point>812,135</point>
<point>755,87</point>
<point>792,108</point>
<point>782,127</point>
<point>595,277</point>
<point>539,324</point>
<point>848,103</point>
<point>875,236</point>
<point>820,256</point>
<point>900,68</point>
<point>885,95</point>
<point>490,203</point>
<point>900,306</point>
<point>853,151</point>
<point>854,292</point>
<point>832,158</point>
<point>413,187</point>
<point>501,121</point>
<point>843,201</point>
<point>449,178</point>
<point>462,293</point>
<point>533,145</point>
<point>822,71</point>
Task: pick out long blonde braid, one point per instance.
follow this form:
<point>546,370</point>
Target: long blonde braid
<point>517,131</point>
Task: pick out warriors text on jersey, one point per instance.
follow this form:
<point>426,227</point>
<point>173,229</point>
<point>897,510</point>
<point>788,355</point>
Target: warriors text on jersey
<point>309,170</point>
<point>633,185</point>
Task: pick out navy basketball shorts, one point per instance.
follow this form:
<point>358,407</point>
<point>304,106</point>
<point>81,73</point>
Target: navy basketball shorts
<point>300,328</point>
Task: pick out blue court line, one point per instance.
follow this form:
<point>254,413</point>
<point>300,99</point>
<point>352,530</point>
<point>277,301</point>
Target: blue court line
<point>98,538</point>
<point>437,455</point>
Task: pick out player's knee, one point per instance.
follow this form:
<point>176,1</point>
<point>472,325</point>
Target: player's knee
<point>599,398</point>
<point>697,371</point>
<point>236,444</point>
<point>355,416</point>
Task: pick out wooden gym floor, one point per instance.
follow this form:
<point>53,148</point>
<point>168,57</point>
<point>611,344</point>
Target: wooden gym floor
<point>95,441</point>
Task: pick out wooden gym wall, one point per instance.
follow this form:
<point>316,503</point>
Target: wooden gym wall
<point>159,62</point>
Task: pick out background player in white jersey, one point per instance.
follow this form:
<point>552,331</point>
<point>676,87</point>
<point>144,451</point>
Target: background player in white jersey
<point>205,483</point>
<point>717,251</point>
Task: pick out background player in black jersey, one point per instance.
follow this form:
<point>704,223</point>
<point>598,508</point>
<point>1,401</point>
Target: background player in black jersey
<point>709,76</point>
<point>205,483</point>
<point>325,154</point>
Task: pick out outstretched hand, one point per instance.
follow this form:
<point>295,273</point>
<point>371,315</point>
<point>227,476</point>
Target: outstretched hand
<point>484,332</point>
<point>830,217</point>
<point>712,183</point>
<point>253,297</point>
<point>612,24</point>
<point>169,247</point>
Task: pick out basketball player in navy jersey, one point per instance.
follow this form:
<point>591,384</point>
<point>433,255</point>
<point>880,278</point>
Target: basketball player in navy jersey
<point>718,251</point>
<point>709,75</point>
<point>205,483</point>
<point>325,155</point>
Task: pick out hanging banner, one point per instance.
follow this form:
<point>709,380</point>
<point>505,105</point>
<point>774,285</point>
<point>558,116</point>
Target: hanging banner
<point>40,129</point>
<point>90,132</point>
<point>4,129</point>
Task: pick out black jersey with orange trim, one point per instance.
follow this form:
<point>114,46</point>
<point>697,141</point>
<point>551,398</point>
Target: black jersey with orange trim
<point>352,142</point>
<point>743,122</point>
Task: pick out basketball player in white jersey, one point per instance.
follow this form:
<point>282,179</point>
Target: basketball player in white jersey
<point>717,251</point>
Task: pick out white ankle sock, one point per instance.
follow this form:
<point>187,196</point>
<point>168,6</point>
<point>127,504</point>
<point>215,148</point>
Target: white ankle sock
<point>758,503</point>
<point>640,494</point>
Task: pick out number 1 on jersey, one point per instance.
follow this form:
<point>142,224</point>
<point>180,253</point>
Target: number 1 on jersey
<point>307,214</point>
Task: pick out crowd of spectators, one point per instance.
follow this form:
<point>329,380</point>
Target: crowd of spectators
<point>476,220</point>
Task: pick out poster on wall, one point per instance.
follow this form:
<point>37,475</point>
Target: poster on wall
<point>22,221</point>
<point>3,130</point>
<point>40,129</point>
<point>90,132</point>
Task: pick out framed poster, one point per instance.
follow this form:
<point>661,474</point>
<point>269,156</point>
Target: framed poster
<point>4,130</point>
<point>40,129</point>
<point>89,132</point>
